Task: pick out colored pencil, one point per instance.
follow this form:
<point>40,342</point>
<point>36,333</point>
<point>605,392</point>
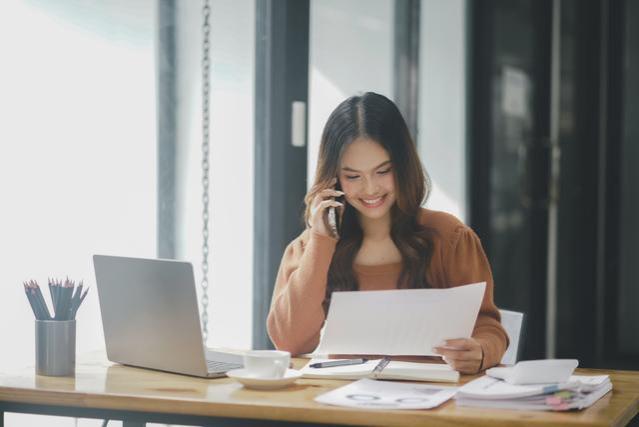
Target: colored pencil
<point>65,297</point>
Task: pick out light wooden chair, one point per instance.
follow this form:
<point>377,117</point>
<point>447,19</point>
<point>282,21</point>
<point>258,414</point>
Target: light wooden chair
<point>513,322</point>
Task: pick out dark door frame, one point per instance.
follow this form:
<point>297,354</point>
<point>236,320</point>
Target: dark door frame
<point>281,77</point>
<point>406,53</point>
<point>166,64</point>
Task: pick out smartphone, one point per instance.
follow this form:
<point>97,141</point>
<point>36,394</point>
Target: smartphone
<point>333,221</point>
<point>332,215</point>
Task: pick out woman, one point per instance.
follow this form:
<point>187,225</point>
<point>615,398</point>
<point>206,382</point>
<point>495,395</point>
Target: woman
<point>386,240</point>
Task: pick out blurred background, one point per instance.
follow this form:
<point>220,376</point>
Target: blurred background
<point>525,114</point>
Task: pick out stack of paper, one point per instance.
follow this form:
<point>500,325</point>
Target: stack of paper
<point>395,370</point>
<point>578,393</point>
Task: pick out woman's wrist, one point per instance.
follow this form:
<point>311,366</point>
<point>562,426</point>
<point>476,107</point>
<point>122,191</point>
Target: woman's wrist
<point>319,235</point>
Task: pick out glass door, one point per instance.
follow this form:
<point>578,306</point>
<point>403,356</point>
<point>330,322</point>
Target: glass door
<point>561,71</point>
<point>508,145</point>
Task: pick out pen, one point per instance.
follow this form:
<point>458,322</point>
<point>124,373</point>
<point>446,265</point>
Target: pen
<point>338,363</point>
<point>380,367</point>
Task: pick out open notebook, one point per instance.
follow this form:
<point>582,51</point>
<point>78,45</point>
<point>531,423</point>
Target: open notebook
<point>395,370</point>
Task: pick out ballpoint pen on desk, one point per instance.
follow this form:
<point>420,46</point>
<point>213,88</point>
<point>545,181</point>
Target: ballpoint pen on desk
<point>65,301</point>
<point>333,363</point>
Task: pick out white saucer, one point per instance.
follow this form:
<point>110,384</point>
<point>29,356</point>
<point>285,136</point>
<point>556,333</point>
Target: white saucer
<point>249,381</point>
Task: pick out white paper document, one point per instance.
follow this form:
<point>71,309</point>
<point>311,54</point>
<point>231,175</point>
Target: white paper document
<point>372,394</point>
<point>399,322</point>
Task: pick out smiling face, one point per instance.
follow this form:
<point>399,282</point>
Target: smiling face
<point>367,178</point>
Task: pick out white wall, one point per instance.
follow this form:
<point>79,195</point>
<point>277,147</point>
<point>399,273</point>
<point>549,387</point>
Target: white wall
<point>231,161</point>
<point>77,156</point>
<point>442,103</point>
<point>350,51</point>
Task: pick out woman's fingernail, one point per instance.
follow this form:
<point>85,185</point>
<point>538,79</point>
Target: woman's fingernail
<point>441,344</point>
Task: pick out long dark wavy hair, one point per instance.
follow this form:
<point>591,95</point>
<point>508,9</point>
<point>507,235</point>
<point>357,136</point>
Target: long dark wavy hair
<point>375,117</point>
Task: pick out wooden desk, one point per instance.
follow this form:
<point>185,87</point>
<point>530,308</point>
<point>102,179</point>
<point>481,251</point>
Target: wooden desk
<point>103,390</point>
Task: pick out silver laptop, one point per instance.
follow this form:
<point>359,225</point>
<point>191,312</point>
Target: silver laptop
<point>150,317</point>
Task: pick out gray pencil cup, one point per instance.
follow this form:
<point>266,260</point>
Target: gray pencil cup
<point>55,347</point>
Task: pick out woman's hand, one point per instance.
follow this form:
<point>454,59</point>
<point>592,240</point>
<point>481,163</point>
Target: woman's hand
<point>321,202</point>
<point>463,354</point>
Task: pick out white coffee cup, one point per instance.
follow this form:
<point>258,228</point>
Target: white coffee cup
<point>266,363</point>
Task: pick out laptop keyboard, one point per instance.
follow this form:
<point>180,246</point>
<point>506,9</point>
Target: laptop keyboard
<point>217,366</point>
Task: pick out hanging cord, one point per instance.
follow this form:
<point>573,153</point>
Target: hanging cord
<point>206,29</point>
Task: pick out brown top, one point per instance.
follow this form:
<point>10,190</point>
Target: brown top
<point>296,314</point>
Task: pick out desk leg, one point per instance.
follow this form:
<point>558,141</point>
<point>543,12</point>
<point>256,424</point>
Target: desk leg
<point>1,418</point>
<point>126,423</point>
